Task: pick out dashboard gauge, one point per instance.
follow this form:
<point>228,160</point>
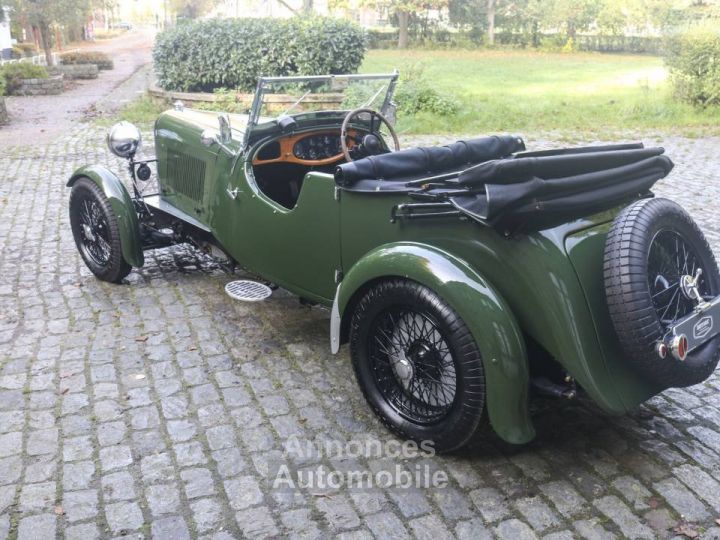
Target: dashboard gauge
<point>317,147</point>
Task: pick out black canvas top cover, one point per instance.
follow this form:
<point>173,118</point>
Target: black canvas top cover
<point>520,196</point>
<point>428,161</point>
<point>522,190</point>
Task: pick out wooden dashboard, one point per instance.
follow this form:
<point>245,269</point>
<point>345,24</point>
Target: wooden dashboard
<point>312,148</point>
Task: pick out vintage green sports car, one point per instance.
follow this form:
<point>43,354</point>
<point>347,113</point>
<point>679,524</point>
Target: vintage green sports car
<point>461,276</point>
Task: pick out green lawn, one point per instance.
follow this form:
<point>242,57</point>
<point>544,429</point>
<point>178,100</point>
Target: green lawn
<point>514,91</point>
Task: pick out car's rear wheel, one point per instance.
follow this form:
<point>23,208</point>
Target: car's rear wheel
<point>418,365</point>
<point>96,232</point>
<point>652,248</point>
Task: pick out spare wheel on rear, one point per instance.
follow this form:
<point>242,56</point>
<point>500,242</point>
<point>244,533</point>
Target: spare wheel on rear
<point>650,247</point>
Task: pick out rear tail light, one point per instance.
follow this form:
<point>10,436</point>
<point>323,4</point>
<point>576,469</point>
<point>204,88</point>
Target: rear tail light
<point>679,347</point>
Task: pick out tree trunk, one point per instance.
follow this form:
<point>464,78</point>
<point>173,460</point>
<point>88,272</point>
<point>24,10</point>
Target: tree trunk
<point>58,39</point>
<point>491,22</point>
<point>36,37</point>
<point>307,6</point>
<point>403,17</point>
<point>46,42</point>
<point>572,30</point>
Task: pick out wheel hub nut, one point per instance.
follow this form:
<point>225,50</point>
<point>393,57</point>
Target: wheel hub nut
<point>88,232</point>
<point>689,286</point>
<point>404,370</point>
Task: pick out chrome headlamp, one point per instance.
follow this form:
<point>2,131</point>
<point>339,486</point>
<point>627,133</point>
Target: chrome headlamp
<point>124,139</point>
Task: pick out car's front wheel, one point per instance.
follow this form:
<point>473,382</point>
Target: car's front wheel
<point>96,232</point>
<point>418,365</point>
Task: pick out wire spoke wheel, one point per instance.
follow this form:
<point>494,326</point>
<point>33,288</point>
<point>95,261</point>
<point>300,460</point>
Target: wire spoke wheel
<point>96,231</point>
<point>418,364</point>
<point>413,365</point>
<point>670,258</point>
<point>657,268</point>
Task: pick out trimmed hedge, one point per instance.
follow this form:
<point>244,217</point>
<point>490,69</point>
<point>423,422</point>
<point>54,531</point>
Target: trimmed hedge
<point>102,60</point>
<point>233,53</point>
<point>693,57</point>
<point>450,39</point>
<point>13,74</point>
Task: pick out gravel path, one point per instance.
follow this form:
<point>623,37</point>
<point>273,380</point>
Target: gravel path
<point>41,119</point>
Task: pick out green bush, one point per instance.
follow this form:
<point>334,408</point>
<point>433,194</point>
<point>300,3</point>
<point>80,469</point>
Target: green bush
<point>415,94</point>
<point>553,44</point>
<point>2,85</point>
<point>28,49</point>
<point>13,74</point>
<point>102,60</point>
<point>693,57</point>
<point>233,53</point>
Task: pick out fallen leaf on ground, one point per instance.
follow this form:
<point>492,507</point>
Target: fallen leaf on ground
<point>141,338</point>
<point>689,530</point>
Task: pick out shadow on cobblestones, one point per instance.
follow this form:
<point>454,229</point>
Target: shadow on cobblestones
<point>161,407</point>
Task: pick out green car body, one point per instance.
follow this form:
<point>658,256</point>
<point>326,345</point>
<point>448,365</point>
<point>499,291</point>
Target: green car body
<point>545,286</point>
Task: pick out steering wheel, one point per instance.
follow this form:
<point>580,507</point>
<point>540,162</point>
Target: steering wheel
<point>372,143</point>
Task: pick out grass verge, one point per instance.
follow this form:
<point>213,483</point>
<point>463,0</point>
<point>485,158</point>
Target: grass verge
<point>142,112</point>
<point>598,95</point>
<point>581,96</point>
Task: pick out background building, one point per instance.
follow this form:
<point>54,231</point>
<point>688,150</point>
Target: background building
<point>5,38</point>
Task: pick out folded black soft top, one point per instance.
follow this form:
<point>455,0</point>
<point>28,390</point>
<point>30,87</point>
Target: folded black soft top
<point>509,189</point>
<point>427,161</point>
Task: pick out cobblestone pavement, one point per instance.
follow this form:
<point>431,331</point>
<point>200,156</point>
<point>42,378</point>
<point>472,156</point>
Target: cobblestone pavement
<point>158,407</point>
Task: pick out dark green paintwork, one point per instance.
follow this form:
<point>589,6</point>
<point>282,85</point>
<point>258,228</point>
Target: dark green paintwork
<point>547,284</point>
<point>487,315</point>
<point>122,206</point>
<point>586,253</point>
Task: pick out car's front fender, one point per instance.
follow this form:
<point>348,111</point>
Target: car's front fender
<point>484,311</point>
<point>121,204</point>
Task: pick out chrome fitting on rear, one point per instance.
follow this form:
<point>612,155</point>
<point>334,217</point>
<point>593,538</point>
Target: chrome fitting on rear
<point>679,347</point>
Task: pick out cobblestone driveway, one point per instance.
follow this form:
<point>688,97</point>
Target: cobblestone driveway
<point>154,408</point>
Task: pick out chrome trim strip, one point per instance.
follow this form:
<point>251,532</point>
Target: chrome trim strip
<point>335,323</point>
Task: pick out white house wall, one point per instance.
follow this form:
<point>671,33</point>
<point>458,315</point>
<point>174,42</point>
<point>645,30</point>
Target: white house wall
<point>5,38</point>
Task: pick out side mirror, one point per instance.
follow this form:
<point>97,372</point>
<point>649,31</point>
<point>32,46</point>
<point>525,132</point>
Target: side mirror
<point>225,129</point>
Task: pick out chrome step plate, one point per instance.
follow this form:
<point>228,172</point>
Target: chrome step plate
<point>248,291</point>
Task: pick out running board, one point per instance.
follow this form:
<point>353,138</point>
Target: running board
<point>155,201</point>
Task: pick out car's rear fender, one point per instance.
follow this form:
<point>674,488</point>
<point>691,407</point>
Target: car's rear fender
<point>484,311</point>
<point>121,204</point>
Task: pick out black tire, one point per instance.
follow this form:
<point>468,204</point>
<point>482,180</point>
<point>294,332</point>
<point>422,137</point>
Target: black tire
<point>443,351</point>
<point>639,285</point>
<point>96,232</point>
